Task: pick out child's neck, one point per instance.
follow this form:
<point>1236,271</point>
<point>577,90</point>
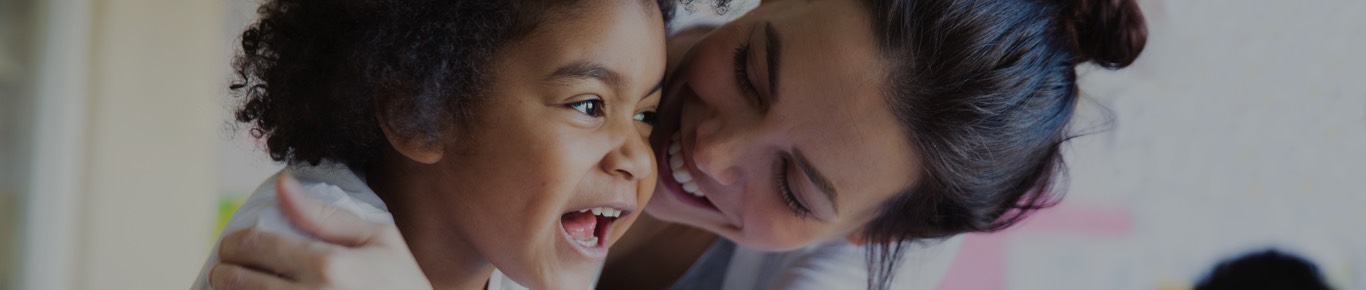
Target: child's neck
<point>447,259</point>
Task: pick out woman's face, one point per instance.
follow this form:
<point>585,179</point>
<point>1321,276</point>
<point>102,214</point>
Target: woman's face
<point>776,132</point>
<point>562,135</point>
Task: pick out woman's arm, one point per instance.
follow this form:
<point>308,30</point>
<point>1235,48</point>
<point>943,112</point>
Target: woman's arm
<point>352,254</point>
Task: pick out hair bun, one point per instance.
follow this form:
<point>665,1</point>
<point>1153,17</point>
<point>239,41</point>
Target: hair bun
<point>1110,33</point>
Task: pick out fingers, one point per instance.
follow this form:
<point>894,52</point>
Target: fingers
<point>326,222</point>
<point>234,277</point>
<point>269,252</point>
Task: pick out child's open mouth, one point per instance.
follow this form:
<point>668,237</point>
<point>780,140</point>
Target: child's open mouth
<point>588,228</point>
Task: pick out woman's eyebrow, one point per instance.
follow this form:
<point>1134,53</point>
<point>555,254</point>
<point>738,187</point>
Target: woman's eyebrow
<point>774,57</point>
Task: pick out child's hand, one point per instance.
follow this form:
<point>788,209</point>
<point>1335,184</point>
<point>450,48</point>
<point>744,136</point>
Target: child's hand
<point>352,254</point>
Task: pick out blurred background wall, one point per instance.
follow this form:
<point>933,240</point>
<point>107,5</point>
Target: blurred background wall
<point>110,141</point>
<point>1242,127</point>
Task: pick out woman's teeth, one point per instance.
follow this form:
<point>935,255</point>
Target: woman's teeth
<point>681,173</point>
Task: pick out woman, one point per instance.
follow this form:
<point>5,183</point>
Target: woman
<point>812,128</point>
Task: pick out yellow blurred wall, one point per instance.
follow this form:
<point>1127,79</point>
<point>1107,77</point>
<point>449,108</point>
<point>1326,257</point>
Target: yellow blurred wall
<point>152,119</point>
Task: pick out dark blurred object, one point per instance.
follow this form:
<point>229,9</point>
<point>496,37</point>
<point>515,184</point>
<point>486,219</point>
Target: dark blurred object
<point>1265,270</point>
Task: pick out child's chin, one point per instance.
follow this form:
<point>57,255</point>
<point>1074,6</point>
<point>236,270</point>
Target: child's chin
<point>568,280</point>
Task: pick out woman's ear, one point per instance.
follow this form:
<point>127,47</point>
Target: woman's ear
<point>856,238</point>
<point>421,150</point>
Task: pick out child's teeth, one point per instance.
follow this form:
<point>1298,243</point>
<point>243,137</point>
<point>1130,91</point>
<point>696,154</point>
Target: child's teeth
<point>591,242</point>
<point>603,211</point>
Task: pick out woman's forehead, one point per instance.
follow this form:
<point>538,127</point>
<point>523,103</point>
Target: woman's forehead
<point>833,87</point>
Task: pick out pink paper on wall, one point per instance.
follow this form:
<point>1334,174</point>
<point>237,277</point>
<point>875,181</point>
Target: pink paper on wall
<point>981,263</point>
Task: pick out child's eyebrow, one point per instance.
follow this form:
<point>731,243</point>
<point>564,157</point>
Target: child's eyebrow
<point>583,70</point>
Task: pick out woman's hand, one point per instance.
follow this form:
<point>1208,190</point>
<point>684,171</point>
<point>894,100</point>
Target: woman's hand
<point>352,254</point>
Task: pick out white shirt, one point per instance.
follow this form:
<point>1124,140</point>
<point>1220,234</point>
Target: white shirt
<point>837,265</point>
<point>329,182</point>
<point>829,265</point>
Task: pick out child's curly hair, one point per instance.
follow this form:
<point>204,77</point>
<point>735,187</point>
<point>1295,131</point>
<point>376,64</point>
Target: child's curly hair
<point>314,74</point>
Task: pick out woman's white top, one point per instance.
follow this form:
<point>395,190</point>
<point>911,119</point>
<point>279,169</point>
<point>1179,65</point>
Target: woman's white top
<point>838,265</point>
<point>831,265</point>
<point>329,182</point>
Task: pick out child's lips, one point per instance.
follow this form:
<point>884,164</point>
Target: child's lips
<point>588,229</point>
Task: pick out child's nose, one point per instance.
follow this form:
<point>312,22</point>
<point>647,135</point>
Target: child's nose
<point>632,159</point>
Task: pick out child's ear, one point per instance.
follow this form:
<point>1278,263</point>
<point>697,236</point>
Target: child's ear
<point>421,150</point>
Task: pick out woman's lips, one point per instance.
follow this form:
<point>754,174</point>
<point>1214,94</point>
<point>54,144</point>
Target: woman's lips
<point>684,183</point>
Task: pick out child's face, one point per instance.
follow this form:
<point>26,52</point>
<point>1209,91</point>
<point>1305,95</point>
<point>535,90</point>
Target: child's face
<point>563,130</point>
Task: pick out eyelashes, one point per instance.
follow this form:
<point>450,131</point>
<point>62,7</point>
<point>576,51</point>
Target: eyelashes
<point>785,190</point>
<point>647,117</point>
<point>741,63</point>
<point>594,107</point>
<point>588,107</point>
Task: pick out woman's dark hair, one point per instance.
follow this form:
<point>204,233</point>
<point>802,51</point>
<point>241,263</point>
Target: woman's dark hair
<point>313,75</point>
<point>985,90</point>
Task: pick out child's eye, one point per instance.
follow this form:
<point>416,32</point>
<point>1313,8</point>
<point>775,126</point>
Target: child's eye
<point>647,117</point>
<point>588,107</point>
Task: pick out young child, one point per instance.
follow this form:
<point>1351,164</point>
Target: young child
<point>500,137</point>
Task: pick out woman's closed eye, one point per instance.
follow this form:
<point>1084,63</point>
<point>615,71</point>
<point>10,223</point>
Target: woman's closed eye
<point>785,190</point>
<point>741,62</point>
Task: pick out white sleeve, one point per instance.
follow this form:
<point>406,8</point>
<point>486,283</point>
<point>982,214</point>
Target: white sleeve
<point>844,266</point>
<point>260,212</point>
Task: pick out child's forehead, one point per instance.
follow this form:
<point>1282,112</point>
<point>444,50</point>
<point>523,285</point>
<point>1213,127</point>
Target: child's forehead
<point>565,13</point>
<point>590,23</point>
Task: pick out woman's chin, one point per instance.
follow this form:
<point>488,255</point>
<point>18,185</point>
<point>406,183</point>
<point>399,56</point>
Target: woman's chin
<point>664,207</point>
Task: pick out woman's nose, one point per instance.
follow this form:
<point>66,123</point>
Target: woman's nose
<point>718,152</point>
